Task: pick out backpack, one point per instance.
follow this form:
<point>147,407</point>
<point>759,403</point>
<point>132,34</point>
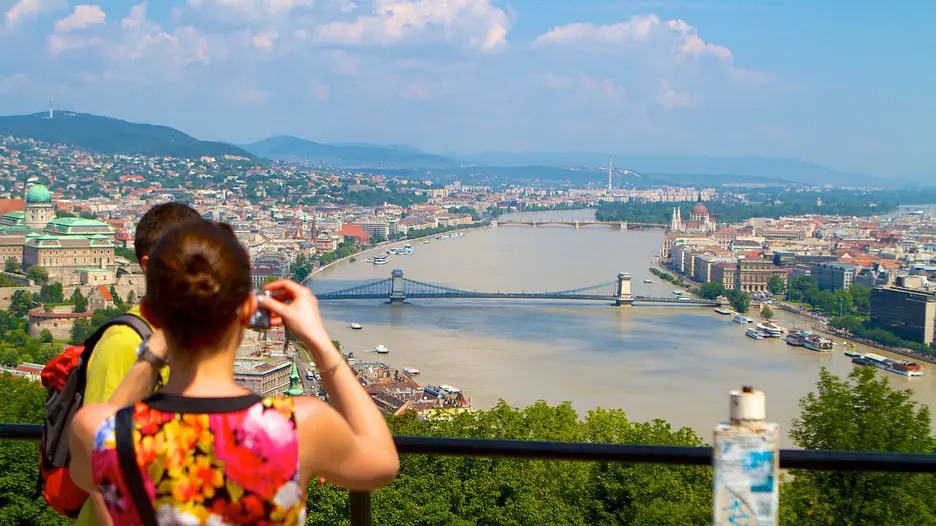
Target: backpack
<point>65,377</point>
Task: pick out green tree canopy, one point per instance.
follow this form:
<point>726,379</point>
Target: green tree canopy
<point>11,265</point>
<point>21,302</point>
<point>711,290</point>
<point>78,299</point>
<point>862,413</point>
<point>38,275</point>
<point>767,313</point>
<point>301,267</point>
<point>740,300</point>
<point>775,283</point>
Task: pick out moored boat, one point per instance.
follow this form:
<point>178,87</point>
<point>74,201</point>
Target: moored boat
<point>753,333</point>
<point>724,312</point>
<point>852,354</point>
<point>817,343</point>
<point>900,367</point>
<point>742,319</point>
<point>678,292</point>
<point>796,338</point>
<point>381,349</point>
<point>648,281</point>
<point>770,329</point>
<point>357,326</point>
<point>411,371</point>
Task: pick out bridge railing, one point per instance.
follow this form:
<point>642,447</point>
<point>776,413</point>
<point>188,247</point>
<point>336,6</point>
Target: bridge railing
<point>360,502</point>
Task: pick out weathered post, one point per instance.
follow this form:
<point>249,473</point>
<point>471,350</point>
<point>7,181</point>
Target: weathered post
<point>746,463</point>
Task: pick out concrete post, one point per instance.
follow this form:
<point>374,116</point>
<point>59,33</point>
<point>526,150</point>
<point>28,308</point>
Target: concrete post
<point>624,298</point>
<point>746,464</point>
<point>397,287</point>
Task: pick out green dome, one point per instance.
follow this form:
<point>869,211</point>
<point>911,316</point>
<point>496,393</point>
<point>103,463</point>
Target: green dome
<point>38,194</point>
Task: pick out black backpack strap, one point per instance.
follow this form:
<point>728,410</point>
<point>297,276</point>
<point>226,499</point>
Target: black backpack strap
<point>126,455</point>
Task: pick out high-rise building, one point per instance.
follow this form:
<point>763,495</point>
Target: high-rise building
<point>833,276</point>
<point>908,313</point>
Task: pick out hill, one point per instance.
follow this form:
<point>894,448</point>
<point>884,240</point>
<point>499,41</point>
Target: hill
<point>112,136</point>
<point>755,168</point>
<point>288,148</point>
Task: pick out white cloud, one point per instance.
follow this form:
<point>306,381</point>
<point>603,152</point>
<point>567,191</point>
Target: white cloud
<point>28,8</point>
<point>668,97</point>
<point>600,89</point>
<point>321,92</point>
<point>254,7</point>
<point>680,37</point>
<point>476,23</point>
<point>12,82</point>
<point>83,16</point>
<point>265,40</point>
<point>142,38</point>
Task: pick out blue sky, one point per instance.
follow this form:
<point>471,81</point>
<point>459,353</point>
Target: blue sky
<point>848,84</point>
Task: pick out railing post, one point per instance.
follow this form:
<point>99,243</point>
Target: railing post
<point>746,461</point>
<point>360,508</point>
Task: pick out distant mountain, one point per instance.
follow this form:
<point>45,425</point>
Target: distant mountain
<point>112,136</point>
<point>288,148</point>
<point>753,167</point>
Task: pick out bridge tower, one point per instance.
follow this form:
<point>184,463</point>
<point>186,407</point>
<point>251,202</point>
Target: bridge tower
<point>397,287</point>
<point>624,298</point>
<point>623,225</point>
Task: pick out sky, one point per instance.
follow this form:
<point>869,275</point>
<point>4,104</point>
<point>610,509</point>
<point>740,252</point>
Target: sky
<point>848,84</point>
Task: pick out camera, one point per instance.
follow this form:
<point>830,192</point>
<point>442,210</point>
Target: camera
<point>260,319</point>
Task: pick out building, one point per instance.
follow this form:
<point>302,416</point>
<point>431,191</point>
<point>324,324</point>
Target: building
<point>700,222</point>
<point>354,234</point>
<point>267,379</point>
<point>908,313</point>
<point>725,273</point>
<point>754,272</point>
<point>456,220</point>
<point>376,229</point>
<point>59,321</point>
<point>64,246</point>
<point>833,276</point>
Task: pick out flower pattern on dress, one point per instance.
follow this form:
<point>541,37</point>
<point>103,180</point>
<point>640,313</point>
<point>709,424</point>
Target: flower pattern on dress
<point>239,467</point>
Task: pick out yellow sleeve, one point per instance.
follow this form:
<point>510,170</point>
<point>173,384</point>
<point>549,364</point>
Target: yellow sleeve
<point>113,356</point>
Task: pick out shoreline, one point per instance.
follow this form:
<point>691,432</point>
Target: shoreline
<point>387,244</point>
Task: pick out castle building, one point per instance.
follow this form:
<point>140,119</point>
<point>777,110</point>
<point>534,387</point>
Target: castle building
<point>70,248</point>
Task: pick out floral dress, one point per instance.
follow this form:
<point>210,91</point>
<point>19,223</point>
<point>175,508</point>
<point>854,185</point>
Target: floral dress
<point>207,461</point>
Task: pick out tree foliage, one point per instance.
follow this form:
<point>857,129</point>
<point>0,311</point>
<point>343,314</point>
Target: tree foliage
<point>38,275</point>
<point>11,265</point>
<point>300,268</point>
<point>767,313</point>
<point>775,284</point>
<point>467,491</point>
<point>19,461</point>
<point>21,302</point>
<point>78,299</point>
<point>740,300</point>
<point>51,293</point>
<point>711,290</point>
<point>862,413</point>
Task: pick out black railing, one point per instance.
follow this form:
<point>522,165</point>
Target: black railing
<point>360,511</point>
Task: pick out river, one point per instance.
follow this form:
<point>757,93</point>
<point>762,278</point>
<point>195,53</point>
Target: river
<point>674,363</point>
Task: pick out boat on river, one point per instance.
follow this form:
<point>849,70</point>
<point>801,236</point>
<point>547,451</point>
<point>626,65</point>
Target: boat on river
<point>852,354</point>
<point>356,326</point>
<point>724,312</point>
<point>900,367</point>
<point>817,343</point>
<point>678,292</point>
<point>742,319</point>
<point>796,338</point>
<point>411,371</point>
<point>381,349</point>
<point>770,329</point>
<point>753,333</point>
<point>648,281</point>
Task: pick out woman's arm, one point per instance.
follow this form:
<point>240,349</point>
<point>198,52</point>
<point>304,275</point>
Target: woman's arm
<point>354,446</point>
<point>81,435</point>
<point>142,377</point>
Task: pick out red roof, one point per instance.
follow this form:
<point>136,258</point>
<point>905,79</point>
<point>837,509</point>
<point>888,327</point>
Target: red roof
<point>353,231</point>
<point>105,293</point>
<point>12,205</point>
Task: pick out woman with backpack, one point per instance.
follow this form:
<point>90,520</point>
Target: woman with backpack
<point>207,451</point>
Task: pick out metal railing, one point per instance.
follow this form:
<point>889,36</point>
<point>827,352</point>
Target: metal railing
<point>360,504</point>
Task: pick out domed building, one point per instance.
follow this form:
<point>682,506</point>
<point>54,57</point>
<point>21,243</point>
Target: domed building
<point>72,249</point>
<point>700,222</point>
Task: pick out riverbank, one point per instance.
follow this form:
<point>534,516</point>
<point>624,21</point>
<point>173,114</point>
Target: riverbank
<point>388,244</point>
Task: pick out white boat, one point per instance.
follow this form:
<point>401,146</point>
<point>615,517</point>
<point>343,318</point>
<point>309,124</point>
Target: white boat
<point>817,343</point>
<point>648,281</point>
<point>725,312</point>
<point>407,246</point>
<point>425,242</point>
<point>382,259</point>
<point>381,349</point>
<point>740,318</point>
<point>357,326</point>
<point>902,368</point>
<point>770,329</point>
<point>678,292</point>
<point>411,371</point>
<point>752,333</point>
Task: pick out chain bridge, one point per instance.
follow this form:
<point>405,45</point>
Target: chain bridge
<point>621,225</point>
<point>397,289</point>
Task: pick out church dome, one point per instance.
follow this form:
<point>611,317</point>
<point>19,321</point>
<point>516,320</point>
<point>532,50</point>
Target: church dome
<point>38,194</point>
<point>699,210</point>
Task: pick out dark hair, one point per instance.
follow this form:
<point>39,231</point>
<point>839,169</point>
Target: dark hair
<point>156,222</point>
<point>197,278</point>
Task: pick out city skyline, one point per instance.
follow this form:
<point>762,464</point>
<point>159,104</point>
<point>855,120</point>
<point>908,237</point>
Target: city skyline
<point>842,88</point>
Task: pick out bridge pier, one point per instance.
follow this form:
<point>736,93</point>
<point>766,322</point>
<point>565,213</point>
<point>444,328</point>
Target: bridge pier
<point>576,225</point>
<point>624,297</point>
<point>534,224</point>
<point>623,225</point>
<point>397,286</point>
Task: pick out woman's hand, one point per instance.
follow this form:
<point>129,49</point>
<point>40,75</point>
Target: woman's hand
<point>295,307</point>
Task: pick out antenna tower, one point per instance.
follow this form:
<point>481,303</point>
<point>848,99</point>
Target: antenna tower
<point>610,167</point>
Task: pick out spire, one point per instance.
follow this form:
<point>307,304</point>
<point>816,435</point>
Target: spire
<point>295,381</point>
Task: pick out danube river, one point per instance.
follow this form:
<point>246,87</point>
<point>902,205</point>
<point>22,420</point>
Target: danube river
<point>675,363</point>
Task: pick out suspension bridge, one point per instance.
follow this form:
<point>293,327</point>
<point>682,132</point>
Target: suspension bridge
<point>397,289</point>
<point>621,225</point>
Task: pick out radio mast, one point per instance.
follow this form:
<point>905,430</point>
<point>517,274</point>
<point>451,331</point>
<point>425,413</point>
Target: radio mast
<point>610,165</point>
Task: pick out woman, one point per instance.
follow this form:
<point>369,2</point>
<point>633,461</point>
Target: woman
<point>207,451</point>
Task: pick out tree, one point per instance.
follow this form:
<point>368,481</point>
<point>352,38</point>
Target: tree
<point>12,265</point>
<point>775,283</point>
<point>131,298</point>
<point>80,331</point>
<point>21,302</point>
<point>19,461</point>
<point>51,293</point>
<point>711,290</point>
<point>38,275</point>
<point>860,413</point>
<point>300,268</point>
<point>861,298</point>
<point>118,301</point>
<point>767,313</point>
<point>126,253</point>
<point>78,299</point>
<point>740,300</point>
<point>377,238</point>
<point>46,336</point>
